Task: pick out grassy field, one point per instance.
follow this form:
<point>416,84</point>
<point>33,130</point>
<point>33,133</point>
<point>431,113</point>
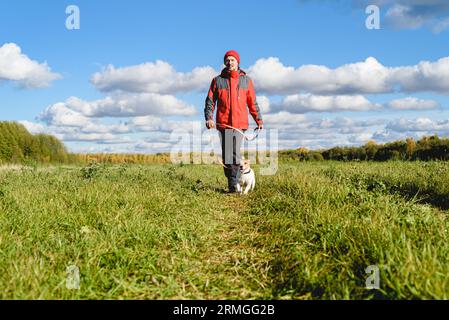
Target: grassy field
<point>170,232</point>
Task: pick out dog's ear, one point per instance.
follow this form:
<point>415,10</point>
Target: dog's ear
<point>243,158</point>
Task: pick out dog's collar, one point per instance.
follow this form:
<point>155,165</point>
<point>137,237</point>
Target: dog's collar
<point>247,172</point>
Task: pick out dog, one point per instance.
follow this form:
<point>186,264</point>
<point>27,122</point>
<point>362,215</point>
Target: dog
<point>246,179</point>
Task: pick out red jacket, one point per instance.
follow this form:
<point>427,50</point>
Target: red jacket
<point>234,91</point>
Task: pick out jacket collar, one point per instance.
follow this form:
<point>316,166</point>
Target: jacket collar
<point>225,73</point>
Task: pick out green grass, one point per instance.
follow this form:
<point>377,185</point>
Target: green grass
<point>169,232</point>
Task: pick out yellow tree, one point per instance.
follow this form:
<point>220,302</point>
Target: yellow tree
<point>411,146</point>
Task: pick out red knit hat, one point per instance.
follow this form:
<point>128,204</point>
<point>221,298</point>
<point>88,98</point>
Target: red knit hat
<point>234,54</point>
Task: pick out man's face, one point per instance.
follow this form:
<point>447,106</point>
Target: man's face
<point>231,63</point>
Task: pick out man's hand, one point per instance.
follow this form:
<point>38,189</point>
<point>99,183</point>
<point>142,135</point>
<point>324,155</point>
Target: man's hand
<point>260,126</point>
<point>210,124</point>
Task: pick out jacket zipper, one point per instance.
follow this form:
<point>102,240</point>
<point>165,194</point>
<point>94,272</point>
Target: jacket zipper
<point>238,95</point>
<point>230,101</point>
<point>238,91</point>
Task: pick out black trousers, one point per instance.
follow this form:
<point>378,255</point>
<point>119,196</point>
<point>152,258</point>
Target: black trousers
<point>231,142</point>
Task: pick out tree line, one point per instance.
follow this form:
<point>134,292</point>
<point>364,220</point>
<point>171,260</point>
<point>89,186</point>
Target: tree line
<point>17,145</point>
<point>123,158</point>
<point>425,149</point>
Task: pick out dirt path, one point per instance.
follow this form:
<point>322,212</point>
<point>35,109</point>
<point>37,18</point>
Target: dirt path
<point>234,265</point>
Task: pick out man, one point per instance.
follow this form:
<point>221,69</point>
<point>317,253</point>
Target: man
<point>233,91</point>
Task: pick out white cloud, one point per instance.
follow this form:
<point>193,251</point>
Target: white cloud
<point>302,103</point>
<point>152,146</point>
<point>70,125</point>
<point>123,105</point>
<point>157,77</point>
<point>441,25</point>
<point>360,139</point>
<point>77,120</point>
<point>95,127</point>
<point>16,66</point>
<point>346,124</point>
<point>319,133</point>
<point>272,77</point>
<point>151,123</point>
<point>33,127</point>
<point>401,16</point>
<point>264,104</point>
<point>412,103</point>
<point>385,135</point>
<point>294,130</point>
<point>83,148</point>
<point>369,76</point>
<point>73,131</point>
<point>418,124</point>
<point>413,14</point>
<point>145,123</point>
<point>103,138</point>
<point>284,118</point>
<point>106,134</point>
<point>300,124</point>
<point>59,114</point>
<point>425,76</point>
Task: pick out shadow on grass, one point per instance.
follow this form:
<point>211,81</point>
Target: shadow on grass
<point>412,192</point>
<point>408,191</point>
<point>437,200</point>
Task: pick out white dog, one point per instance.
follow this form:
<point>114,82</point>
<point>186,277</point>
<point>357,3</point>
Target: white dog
<point>245,177</point>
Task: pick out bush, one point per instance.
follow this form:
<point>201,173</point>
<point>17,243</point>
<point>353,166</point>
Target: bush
<point>90,171</point>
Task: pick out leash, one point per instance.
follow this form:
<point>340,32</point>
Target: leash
<point>255,133</point>
<point>224,166</point>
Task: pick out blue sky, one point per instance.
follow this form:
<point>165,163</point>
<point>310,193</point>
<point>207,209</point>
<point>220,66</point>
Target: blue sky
<point>276,40</point>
